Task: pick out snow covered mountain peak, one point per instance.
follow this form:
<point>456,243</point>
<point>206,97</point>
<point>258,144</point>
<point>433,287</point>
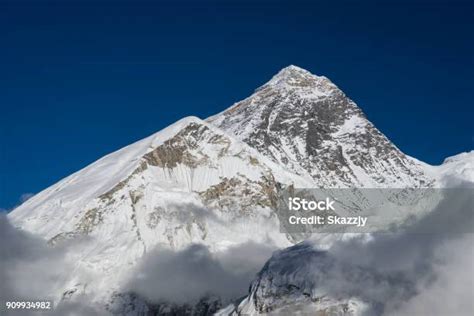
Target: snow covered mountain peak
<point>292,73</point>
<point>308,125</point>
<point>190,183</point>
<point>293,77</point>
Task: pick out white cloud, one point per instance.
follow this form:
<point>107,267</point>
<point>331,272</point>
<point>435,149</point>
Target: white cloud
<point>193,273</point>
<point>32,270</point>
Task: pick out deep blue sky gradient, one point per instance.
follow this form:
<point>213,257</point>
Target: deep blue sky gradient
<point>80,79</point>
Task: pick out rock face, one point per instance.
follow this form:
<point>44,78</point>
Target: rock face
<point>213,182</point>
<point>306,124</point>
<point>289,283</point>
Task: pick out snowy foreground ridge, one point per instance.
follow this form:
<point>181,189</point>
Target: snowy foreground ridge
<point>211,185</point>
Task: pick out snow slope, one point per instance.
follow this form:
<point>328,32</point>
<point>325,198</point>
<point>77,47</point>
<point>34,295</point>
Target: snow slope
<point>455,169</point>
<point>181,186</point>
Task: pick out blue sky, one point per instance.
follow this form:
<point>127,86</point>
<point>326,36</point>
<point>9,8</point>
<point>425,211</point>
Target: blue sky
<point>81,79</point>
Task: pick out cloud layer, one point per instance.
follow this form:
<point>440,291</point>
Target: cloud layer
<point>31,270</point>
<point>426,268</point>
<point>188,275</point>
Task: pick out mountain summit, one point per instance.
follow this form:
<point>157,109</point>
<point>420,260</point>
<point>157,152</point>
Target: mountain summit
<point>297,77</point>
<point>308,125</point>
